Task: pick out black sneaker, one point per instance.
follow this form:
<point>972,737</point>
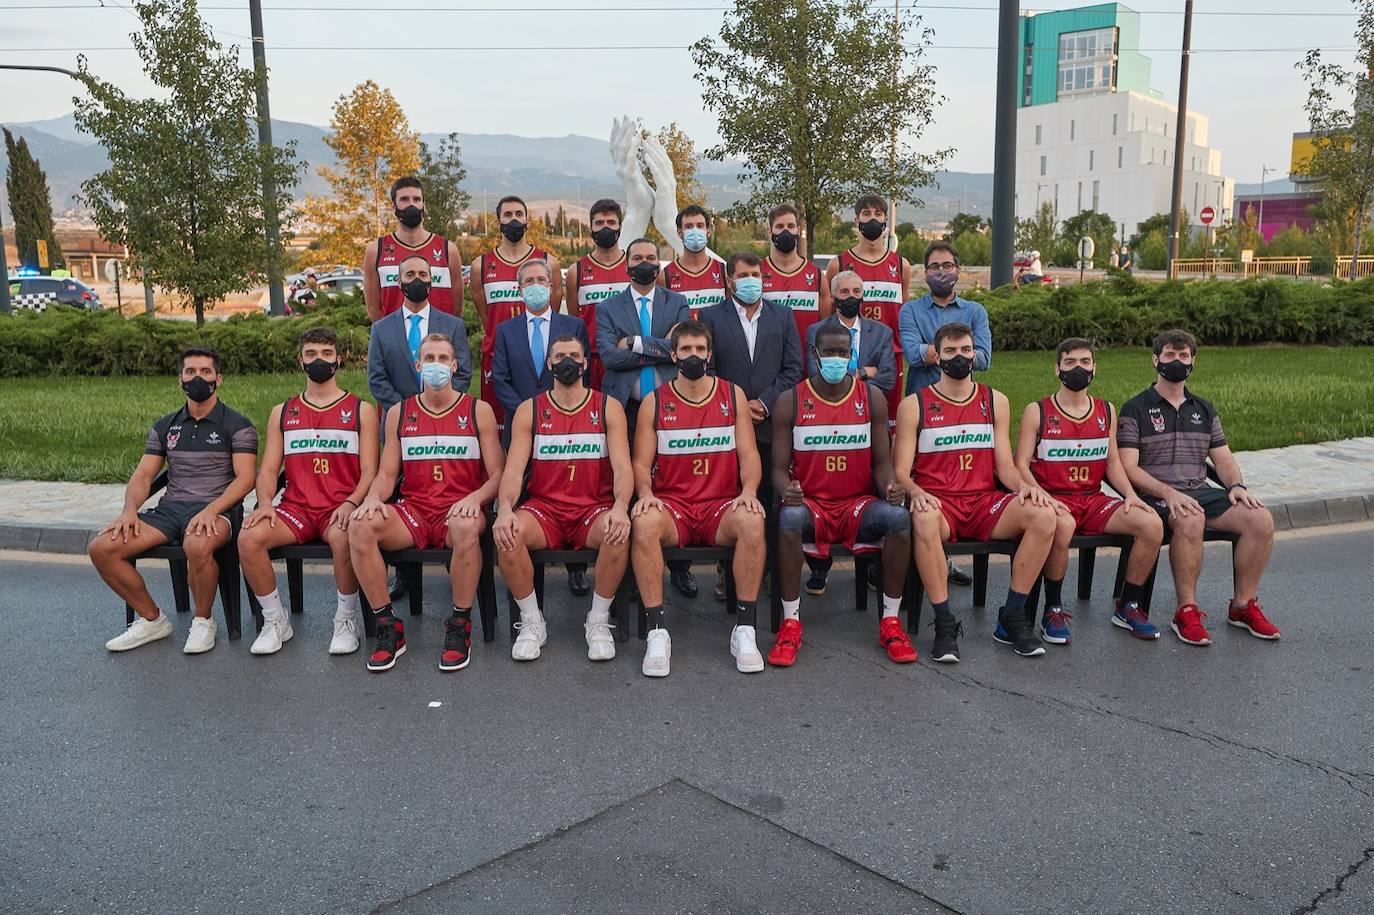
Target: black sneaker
<point>719,593</point>
<point>391,644</point>
<point>457,644</point>
<point>1013,630</point>
<point>956,575</point>
<point>816,583</point>
<point>945,648</point>
<point>577,579</point>
<point>684,580</point>
<point>873,583</point>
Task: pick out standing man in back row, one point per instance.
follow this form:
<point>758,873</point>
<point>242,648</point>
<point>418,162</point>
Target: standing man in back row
<point>697,275</point>
<point>789,279</point>
<point>596,277</point>
<point>382,258</point>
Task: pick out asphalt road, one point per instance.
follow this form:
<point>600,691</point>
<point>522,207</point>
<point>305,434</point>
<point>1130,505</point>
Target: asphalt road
<point>1109,776</point>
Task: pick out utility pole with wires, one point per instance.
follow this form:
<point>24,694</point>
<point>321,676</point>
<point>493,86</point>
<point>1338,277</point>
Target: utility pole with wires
<point>1180,136</point>
<point>892,154</point>
<point>1004,142</point>
<point>275,295</point>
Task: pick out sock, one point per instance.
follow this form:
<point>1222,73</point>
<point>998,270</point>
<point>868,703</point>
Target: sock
<point>462,613</point>
<point>1132,594</point>
<point>348,605</point>
<point>655,615</point>
<point>529,606</point>
<point>791,609</point>
<point>1054,592</point>
<point>271,606</point>
<point>941,610</point>
<point>747,612</point>
<point>1016,603</point>
<point>892,606</point>
<point>601,608</point>
<point>383,610</point>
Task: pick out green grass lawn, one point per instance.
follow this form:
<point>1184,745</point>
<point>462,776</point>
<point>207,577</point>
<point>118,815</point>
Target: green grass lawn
<point>92,429</point>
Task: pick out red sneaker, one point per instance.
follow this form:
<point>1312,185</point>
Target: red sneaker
<point>391,644</point>
<point>893,637</point>
<point>1187,625</point>
<point>457,644</point>
<point>784,652</point>
<point>1251,617</point>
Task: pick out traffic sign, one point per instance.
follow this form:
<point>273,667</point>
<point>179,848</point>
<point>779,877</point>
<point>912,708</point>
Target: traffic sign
<point>1207,215</point>
<point>113,268</point>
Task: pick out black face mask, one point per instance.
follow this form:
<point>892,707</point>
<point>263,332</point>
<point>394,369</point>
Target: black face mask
<point>644,273</point>
<point>410,217</point>
<point>1076,378</point>
<point>958,367</point>
<point>785,241</point>
<point>1174,370</point>
<point>513,230</point>
<point>692,368</point>
<point>320,371</point>
<point>849,305</point>
<point>416,291</point>
<point>567,370</point>
<point>198,389</point>
<point>873,229</point>
<point>606,237</point>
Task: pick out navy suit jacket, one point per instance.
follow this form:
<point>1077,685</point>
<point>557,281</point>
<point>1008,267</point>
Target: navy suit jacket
<point>618,317</point>
<point>875,348</point>
<point>390,370</point>
<point>776,365</point>
<point>513,375</point>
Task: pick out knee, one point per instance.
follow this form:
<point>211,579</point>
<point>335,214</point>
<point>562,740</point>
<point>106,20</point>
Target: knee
<point>792,520</point>
<point>336,538</point>
<point>1150,530</point>
<point>894,520</point>
<point>1043,520</point>
<point>101,550</point>
<point>926,525</point>
<point>644,530</point>
<point>250,540</point>
<point>199,548</point>
<point>464,532</point>
<point>751,530</point>
<point>1259,523</point>
<point>362,534</point>
<point>1064,526</point>
<point>1188,527</point>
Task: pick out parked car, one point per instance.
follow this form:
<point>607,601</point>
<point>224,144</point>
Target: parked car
<point>331,285</point>
<point>38,292</point>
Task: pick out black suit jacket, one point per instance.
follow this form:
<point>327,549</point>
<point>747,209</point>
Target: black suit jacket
<point>776,365</point>
<point>514,375</point>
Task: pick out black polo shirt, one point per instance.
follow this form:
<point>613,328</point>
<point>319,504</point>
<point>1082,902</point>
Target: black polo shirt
<point>200,452</point>
<point>1173,444</point>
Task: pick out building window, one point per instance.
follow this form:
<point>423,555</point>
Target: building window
<point>1120,155</point>
<point>1080,196</point>
<point>1087,61</point>
<point>1056,201</point>
<point>1096,190</point>
<point>1090,160</point>
<point>1195,198</point>
<point>1114,125</point>
<point>1042,165</point>
<point>1166,128</point>
<point>1037,134</point>
<point>1073,129</point>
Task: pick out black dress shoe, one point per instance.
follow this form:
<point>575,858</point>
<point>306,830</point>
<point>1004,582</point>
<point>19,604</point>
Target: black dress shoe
<point>396,587</point>
<point>684,581</point>
<point>719,592</point>
<point>577,579</point>
<point>958,576</point>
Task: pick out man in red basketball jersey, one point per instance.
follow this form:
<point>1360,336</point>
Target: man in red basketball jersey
<point>382,257</point>
<point>326,441</point>
<point>597,276</point>
<point>1068,444</point>
<point>573,443</point>
<point>697,474</point>
<point>790,279</point>
<point>697,275</point>
<point>953,445</point>
<point>445,448</point>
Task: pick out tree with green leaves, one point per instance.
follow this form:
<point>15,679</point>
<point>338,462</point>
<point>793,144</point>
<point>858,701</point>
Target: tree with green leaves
<point>442,173</point>
<point>822,100</point>
<point>30,204</point>
<point>184,185</point>
<point>961,223</point>
<point>1038,232</point>
<point>1340,114</point>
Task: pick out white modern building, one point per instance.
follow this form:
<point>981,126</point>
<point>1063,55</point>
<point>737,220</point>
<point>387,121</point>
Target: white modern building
<point>1092,135</point>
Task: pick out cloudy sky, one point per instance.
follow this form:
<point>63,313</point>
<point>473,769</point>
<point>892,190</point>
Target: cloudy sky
<point>549,68</point>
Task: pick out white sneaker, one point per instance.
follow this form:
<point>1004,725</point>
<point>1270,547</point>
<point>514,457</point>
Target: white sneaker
<point>345,639</point>
<point>275,633</point>
<point>202,637</point>
<point>657,653</point>
<point>141,632</point>
<point>744,646</point>
<point>600,643</point>
<point>533,635</point>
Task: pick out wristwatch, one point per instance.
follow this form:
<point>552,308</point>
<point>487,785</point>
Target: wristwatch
<point>1236,486</point>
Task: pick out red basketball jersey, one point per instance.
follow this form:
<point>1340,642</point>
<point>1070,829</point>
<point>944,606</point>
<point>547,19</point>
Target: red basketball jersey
<point>954,448</point>
<point>798,291</point>
<point>441,458</point>
<point>597,282</point>
<point>390,253</point>
<point>696,460</point>
<point>570,462</point>
<point>832,444</point>
<point>320,451</point>
<point>883,290</point>
<point>1071,454</point>
<point>702,289</point>
<point>502,291</point>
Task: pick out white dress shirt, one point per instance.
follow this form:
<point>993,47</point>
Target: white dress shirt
<point>750,325</point>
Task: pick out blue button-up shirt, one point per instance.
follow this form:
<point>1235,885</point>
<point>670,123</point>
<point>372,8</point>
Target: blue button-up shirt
<point>918,321</point>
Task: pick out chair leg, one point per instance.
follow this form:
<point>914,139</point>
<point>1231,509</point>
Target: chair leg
<point>1087,565</point>
<point>369,617</point>
<point>181,589</point>
<point>486,589</point>
<point>414,573</point>
<point>1121,563</point>
<point>620,609</point>
<point>1149,590</point>
<point>643,620</point>
<point>1033,599</point>
<point>295,583</point>
<point>229,591</point>
<point>861,564</point>
<point>980,580</point>
<point>914,594</point>
<point>731,597</point>
<point>254,607</point>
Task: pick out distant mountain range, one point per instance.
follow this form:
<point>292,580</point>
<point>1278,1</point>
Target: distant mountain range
<point>550,170</point>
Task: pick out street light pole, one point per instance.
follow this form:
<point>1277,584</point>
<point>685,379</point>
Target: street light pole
<point>1004,142</point>
<point>1180,137</point>
<point>1259,223</point>
<point>269,186</point>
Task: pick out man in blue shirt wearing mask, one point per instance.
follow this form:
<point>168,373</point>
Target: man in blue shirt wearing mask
<point>920,318</point>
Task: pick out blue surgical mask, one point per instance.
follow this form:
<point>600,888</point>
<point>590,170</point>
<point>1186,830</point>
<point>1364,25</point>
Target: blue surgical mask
<point>436,374</point>
<point>536,297</point>
<point>748,289</point>
<point>834,368</point>
<point>694,239</point>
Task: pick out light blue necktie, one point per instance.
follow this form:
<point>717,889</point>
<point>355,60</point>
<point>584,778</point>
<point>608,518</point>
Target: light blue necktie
<point>537,348</point>
<point>414,340</point>
<point>646,374</point>
<point>853,350</point>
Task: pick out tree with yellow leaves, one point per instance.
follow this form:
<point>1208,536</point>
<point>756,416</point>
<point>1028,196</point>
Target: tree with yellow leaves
<point>373,146</point>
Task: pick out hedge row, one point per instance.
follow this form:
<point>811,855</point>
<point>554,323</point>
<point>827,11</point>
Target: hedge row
<point>1121,311</point>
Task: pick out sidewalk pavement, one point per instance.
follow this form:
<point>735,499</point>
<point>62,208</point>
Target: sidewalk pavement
<point>1303,485</point>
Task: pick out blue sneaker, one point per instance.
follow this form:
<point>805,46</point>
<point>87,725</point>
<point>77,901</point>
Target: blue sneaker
<point>1000,634</point>
<point>1054,626</point>
<point>1131,618</point>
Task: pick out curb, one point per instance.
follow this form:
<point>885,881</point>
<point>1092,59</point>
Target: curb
<point>1337,508</point>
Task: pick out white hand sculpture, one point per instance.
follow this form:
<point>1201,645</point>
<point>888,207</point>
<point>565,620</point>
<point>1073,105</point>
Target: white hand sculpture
<point>639,197</point>
<point>665,192</point>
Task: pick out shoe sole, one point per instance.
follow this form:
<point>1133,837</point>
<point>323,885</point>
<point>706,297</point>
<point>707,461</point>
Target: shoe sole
<point>1054,640</point>
<point>946,658</point>
<point>280,645</point>
<point>1035,652</point>
<point>609,657</point>
<point>911,660</point>
<point>452,667</point>
<point>1000,639</point>
<point>344,651</point>
<point>1122,624</point>
<point>204,650</point>
<point>1200,644</point>
<point>653,673</point>
<point>390,664</point>
<point>140,644</point>
<point>1259,635</point>
<point>538,649</point>
<point>779,663</point>
<point>816,592</point>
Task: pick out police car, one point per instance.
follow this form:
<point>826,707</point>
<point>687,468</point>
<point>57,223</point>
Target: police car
<point>36,293</point>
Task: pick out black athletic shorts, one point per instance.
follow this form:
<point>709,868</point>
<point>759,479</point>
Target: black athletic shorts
<point>1214,501</point>
<point>172,519</point>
